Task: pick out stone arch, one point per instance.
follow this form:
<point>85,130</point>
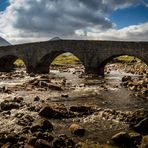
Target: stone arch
<point>7,62</point>
<point>46,60</point>
<point>101,65</point>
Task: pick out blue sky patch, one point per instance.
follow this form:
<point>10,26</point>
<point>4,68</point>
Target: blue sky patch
<point>3,4</point>
<point>130,16</point>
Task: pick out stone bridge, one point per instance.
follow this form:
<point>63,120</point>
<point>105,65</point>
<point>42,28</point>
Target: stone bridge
<point>94,55</point>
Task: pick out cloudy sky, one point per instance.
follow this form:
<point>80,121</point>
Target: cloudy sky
<point>37,20</point>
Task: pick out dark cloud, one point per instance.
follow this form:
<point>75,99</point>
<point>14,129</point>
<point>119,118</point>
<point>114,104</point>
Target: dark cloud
<point>48,18</point>
<point>59,17</point>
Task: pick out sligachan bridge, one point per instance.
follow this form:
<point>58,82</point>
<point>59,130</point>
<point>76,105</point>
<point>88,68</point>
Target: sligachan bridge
<point>94,55</point>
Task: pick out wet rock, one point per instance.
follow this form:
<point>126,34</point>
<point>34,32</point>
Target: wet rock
<point>142,126</point>
<point>55,87</point>
<point>138,85</point>
<point>83,110</point>
<point>144,143</point>
<point>63,142</point>
<point>125,83</point>
<point>77,130</point>
<point>37,98</point>
<point>145,92</point>
<point>34,107</point>
<point>126,78</point>
<point>135,138</point>
<point>121,138</point>
<point>44,83</point>
<point>80,145</point>
<point>32,140</point>
<point>11,138</point>
<point>55,111</point>
<point>137,116</point>
<point>19,115</point>
<point>32,75</point>
<point>45,136</point>
<point>64,95</point>
<point>25,120</point>
<point>41,125</point>
<point>7,145</point>
<point>39,135</point>
<point>18,99</point>
<point>26,130</point>
<point>22,138</point>
<point>8,105</point>
<point>6,112</point>
<point>40,143</point>
<point>5,90</point>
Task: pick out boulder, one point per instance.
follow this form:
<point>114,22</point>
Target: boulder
<point>77,130</point>
<point>25,120</point>
<point>32,140</point>
<point>45,136</point>
<point>121,138</point>
<point>37,98</point>
<point>135,138</point>
<point>55,87</point>
<point>63,142</point>
<point>144,143</point>
<point>8,105</point>
<point>82,109</point>
<point>18,99</point>
<point>9,138</point>
<point>64,95</point>
<point>40,143</point>
<point>41,125</point>
<point>54,111</point>
<point>126,78</point>
<point>142,126</point>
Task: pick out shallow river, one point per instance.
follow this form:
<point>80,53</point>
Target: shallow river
<point>97,92</point>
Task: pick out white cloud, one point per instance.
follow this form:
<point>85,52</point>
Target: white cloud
<point>36,20</point>
<point>133,33</point>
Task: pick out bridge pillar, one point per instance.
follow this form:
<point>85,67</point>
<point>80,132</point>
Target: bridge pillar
<point>7,67</point>
<point>95,70</point>
<point>38,69</point>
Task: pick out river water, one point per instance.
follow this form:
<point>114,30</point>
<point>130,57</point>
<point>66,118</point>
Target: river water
<point>97,92</point>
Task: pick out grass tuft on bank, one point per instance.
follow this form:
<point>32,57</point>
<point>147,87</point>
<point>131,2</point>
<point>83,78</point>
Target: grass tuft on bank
<point>19,63</point>
<point>66,60</point>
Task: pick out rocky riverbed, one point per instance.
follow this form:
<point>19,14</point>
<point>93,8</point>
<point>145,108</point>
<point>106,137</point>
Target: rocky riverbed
<point>70,109</point>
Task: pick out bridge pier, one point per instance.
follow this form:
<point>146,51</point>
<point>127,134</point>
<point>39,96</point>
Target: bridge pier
<point>38,69</point>
<point>7,69</point>
<point>95,70</point>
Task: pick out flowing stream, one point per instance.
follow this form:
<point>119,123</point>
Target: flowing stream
<point>98,92</point>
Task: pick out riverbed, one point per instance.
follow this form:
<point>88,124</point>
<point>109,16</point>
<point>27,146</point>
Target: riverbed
<point>112,104</point>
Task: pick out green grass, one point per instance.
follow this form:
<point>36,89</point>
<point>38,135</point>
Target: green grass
<point>69,59</point>
<point>65,60</point>
<point>127,59</point>
<point>60,60</point>
<point>19,63</point>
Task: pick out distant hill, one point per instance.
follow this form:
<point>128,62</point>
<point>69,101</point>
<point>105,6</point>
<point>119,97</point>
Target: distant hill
<point>3,42</point>
<point>55,39</point>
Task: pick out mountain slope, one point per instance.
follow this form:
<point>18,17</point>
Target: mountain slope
<point>55,39</point>
<point>3,42</point>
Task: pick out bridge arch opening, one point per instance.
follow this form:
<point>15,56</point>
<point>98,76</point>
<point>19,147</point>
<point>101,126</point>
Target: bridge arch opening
<point>124,64</point>
<point>10,63</point>
<point>60,61</point>
<point>65,61</point>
